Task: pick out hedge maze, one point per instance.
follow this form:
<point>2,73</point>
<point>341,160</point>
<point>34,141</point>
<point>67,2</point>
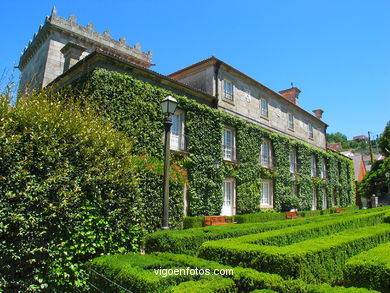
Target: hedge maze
<point>347,252</point>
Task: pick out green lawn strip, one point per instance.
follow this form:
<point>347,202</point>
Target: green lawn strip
<point>188,241</point>
<point>314,260</point>
<point>289,235</point>
<point>370,269</point>
<point>136,273</point>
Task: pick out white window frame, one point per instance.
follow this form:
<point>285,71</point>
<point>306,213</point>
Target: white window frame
<point>324,199</point>
<point>177,139</point>
<point>266,158</point>
<point>323,169</point>
<point>263,111</point>
<point>232,182</point>
<point>313,167</point>
<point>293,161</point>
<point>228,95</point>
<point>268,201</point>
<point>226,149</point>
<point>290,122</point>
<point>314,204</point>
<point>310,131</point>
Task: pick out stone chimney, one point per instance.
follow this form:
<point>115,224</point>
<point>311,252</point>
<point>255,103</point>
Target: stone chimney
<point>72,53</point>
<point>318,113</point>
<point>291,94</point>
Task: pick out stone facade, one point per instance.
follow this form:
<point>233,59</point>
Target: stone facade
<point>42,60</point>
<point>210,75</point>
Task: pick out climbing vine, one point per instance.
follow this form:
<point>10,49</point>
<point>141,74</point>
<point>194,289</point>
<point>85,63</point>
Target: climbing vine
<point>134,107</point>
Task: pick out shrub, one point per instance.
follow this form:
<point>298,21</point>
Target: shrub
<point>214,285</point>
<point>136,273</point>
<point>188,241</point>
<point>314,260</point>
<point>193,222</point>
<point>370,269</point>
<point>70,190</point>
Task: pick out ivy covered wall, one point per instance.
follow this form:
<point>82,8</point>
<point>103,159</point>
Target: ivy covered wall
<point>134,107</point>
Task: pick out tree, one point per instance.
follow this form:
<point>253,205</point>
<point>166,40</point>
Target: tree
<point>384,140</point>
<point>336,137</point>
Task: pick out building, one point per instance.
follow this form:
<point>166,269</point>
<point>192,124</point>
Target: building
<point>335,146</point>
<point>270,123</point>
<point>360,138</point>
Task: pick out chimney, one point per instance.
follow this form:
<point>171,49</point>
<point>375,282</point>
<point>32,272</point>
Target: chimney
<point>291,94</point>
<point>318,113</point>
<point>72,53</point>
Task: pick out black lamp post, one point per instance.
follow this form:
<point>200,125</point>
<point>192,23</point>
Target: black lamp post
<point>168,106</point>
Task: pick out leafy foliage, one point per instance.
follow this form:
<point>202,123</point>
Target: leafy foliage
<point>70,190</point>
<point>134,107</point>
<point>370,269</point>
<point>384,140</point>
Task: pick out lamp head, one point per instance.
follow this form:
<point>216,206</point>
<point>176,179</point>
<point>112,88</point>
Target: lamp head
<point>169,105</point>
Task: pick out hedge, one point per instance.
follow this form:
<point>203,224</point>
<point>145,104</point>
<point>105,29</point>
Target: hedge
<point>70,190</point>
<point>136,273</point>
<point>370,269</point>
<point>214,285</point>
<point>188,241</point>
<point>314,260</point>
<point>192,222</point>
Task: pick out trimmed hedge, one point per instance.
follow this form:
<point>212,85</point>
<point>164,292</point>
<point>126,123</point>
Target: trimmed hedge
<point>193,222</point>
<point>314,260</point>
<point>188,241</point>
<point>214,285</point>
<point>370,269</point>
<point>136,273</point>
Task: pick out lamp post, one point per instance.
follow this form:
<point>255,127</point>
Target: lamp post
<point>388,181</point>
<point>168,106</point>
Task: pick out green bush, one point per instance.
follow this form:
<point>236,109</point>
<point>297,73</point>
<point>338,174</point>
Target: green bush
<point>188,241</point>
<point>314,260</point>
<point>137,273</point>
<point>370,269</point>
<point>214,285</point>
<point>192,222</point>
<point>70,190</point>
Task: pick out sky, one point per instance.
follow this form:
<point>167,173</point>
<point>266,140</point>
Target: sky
<point>336,52</point>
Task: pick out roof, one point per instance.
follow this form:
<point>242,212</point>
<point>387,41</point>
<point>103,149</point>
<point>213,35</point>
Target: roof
<point>213,60</point>
<point>90,62</point>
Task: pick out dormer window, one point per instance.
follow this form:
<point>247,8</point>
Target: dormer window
<point>228,90</point>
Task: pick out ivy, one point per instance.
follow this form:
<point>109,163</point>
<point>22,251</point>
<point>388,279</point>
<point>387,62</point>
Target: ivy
<point>134,106</point>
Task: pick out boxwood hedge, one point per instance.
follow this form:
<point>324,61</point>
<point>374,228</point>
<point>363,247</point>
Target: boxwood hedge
<point>370,269</point>
<point>314,260</point>
<point>136,273</point>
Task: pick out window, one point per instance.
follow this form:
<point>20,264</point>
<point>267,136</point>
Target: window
<point>228,206</point>
<point>293,161</point>
<point>323,169</point>
<point>263,107</point>
<point>324,199</point>
<point>295,190</point>
<point>266,194</point>
<point>310,131</point>
<point>177,140</point>
<point>228,144</point>
<point>266,154</point>
<point>290,121</point>
<point>313,166</point>
<point>228,90</point>
<point>314,203</point>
